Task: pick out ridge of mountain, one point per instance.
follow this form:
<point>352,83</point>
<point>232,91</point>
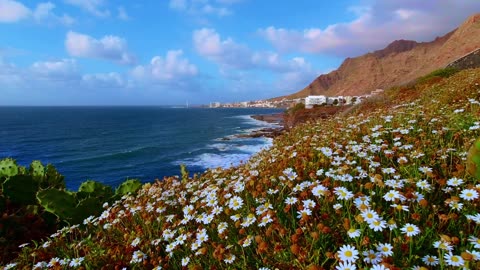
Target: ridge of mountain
<point>398,63</point>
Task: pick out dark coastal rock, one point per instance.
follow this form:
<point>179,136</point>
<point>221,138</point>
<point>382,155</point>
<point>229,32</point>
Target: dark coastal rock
<point>276,118</point>
<point>264,132</point>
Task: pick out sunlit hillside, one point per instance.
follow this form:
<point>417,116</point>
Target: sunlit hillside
<point>383,186</point>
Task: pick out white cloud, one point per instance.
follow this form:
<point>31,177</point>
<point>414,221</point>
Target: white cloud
<point>111,79</point>
<point>172,67</point>
<point>226,52</point>
<point>109,47</point>
<point>44,13</point>
<point>10,75</point>
<point>229,54</point>
<point>203,7</point>
<point>166,79</point>
<point>12,11</point>
<point>375,26</point>
<point>238,65</point>
<point>178,4</point>
<point>220,11</point>
<point>65,68</point>
<point>43,10</point>
<point>94,7</point>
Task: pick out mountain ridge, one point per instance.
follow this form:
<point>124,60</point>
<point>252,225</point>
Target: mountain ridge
<point>399,62</point>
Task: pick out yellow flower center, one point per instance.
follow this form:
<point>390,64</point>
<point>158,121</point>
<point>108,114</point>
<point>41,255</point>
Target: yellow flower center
<point>455,259</point>
<point>348,253</point>
<point>410,229</point>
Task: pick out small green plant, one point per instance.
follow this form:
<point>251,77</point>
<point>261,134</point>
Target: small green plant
<point>184,172</point>
<point>473,160</point>
<point>297,107</point>
<point>439,73</point>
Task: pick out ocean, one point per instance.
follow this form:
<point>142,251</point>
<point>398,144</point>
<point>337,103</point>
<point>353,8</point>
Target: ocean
<point>110,144</point>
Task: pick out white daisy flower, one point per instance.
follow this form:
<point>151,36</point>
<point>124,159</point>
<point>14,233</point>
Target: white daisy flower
<point>453,260</point>
<point>469,194</point>
<point>410,229</point>
<point>348,253</point>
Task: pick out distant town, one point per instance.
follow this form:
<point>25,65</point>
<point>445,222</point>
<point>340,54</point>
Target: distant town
<point>309,101</point>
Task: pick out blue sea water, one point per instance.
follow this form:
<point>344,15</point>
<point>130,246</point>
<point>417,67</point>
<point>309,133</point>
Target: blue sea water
<point>109,144</point>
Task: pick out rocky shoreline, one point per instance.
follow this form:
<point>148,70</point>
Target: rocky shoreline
<point>269,132</point>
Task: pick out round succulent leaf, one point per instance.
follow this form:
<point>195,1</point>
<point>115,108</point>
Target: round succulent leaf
<point>129,186</point>
<point>8,167</point>
<point>91,188</point>
<point>37,169</point>
<point>58,202</point>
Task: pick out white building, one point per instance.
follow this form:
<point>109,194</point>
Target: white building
<point>310,101</point>
<point>215,105</point>
<point>348,100</point>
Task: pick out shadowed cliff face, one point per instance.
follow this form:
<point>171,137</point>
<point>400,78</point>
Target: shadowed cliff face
<point>398,63</point>
<point>397,46</point>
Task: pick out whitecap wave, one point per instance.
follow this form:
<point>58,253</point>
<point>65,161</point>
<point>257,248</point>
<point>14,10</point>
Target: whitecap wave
<point>232,150</point>
<point>247,119</point>
<point>221,146</point>
<point>252,149</point>
<point>210,160</point>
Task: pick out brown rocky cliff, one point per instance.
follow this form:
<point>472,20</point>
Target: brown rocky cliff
<point>397,46</point>
<point>400,62</point>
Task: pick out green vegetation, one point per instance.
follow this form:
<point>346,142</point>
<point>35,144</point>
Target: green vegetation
<point>439,73</point>
<point>394,184</point>
<point>38,194</point>
<point>296,108</point>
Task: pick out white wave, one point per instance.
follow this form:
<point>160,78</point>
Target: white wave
<point>226,159</point>
<point>210,160</point>
<point>247,119</point>
<point>255,148</point>
<point>221,146</point>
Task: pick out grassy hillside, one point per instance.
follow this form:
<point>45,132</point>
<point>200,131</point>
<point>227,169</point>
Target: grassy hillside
<point>384,186</point>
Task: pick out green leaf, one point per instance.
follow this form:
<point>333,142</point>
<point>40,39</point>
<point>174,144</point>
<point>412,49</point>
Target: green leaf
<point>21,189</point>
<point>58,202</point>
<point>129,186</point>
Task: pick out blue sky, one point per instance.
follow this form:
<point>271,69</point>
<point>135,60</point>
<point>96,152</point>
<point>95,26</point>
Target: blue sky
<point>106,52</point>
